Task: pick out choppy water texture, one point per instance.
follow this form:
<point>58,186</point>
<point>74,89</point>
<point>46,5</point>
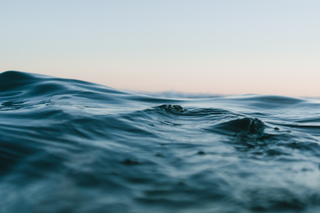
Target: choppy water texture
<point>71,146</point>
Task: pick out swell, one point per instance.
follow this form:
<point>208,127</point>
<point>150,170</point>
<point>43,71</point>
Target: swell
<point>74,146</point>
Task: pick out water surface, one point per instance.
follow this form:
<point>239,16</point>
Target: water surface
<point>73,146</point>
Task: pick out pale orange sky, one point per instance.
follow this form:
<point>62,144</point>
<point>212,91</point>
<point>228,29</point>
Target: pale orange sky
<point>218,47</point>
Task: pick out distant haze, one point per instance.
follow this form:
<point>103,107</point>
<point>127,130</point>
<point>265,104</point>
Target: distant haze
<point>207,46</point>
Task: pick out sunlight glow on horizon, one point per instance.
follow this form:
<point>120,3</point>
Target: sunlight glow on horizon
<point>229,47</point>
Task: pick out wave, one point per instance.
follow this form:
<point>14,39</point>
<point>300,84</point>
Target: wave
<point>74,146</point>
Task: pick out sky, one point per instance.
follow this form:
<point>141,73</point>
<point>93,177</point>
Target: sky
<point>267,47</point>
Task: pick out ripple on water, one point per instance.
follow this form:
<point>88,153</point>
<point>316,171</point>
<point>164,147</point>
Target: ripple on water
<point>74,146</point>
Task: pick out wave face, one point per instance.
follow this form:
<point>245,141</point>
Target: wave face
<point>73,146</point>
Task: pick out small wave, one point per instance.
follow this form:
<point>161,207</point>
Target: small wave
<point>242,125</point>
<point>74,146</point>
<point>172,108</point>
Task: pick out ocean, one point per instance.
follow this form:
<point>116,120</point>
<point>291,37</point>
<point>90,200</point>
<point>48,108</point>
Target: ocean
<point>69,146</point>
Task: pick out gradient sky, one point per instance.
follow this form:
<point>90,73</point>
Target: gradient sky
<point>206,46</point>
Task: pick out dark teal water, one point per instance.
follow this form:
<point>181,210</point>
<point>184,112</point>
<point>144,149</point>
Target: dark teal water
<point>69,146</point>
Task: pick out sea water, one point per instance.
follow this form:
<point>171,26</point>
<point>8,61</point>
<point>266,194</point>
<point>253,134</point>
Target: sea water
<point>69,146</point>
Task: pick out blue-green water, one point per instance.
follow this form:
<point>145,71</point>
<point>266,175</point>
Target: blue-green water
<point>72,146</point>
